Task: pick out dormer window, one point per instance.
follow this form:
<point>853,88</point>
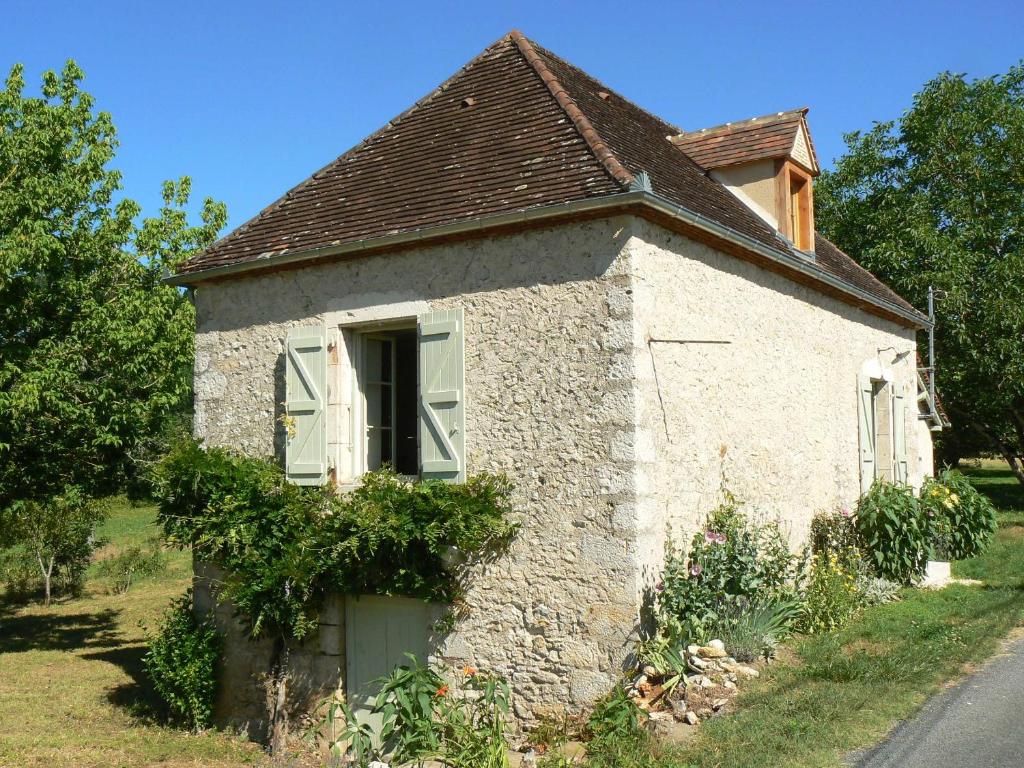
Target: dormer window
<point>766,162</point>
<point>799,219</point>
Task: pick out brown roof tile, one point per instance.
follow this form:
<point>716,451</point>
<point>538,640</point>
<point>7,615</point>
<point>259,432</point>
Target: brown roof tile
<point>515,129</point>
<point>836,262</point>
<point>758,138</point>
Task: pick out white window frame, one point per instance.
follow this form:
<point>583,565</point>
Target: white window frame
<point>357,422</point>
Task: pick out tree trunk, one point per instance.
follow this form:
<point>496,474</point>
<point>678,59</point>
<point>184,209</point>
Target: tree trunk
<point>47,570</point>
<point>1014,463</point>
<point>278,736</point>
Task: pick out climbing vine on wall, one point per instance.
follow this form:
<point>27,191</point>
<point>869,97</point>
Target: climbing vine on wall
<point>284,548</point>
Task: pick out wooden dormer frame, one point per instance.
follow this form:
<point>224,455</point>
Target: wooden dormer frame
<point>794,194</point>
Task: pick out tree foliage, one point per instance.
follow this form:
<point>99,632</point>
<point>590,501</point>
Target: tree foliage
<point>58,535</point>
<point>937,198</point>
<point>95,352</point>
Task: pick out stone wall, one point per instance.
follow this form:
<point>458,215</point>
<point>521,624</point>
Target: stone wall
<point>617,373</point>
<point>748,380</point>
<point>549,391</point>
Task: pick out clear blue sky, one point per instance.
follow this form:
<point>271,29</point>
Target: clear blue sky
<point>250,98</point>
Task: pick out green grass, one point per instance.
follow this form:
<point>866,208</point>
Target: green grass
<point>839,692</point>
<point>72,688</point>
<point>998,483</point>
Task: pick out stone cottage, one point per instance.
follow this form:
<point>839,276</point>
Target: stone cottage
<point>527,273</point>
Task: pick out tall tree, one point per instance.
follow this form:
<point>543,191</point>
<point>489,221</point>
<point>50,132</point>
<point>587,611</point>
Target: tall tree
<point>937,198</point>
<point>95,352</point>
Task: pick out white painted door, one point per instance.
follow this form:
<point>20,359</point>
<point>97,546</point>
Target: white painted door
<point>379,631</point>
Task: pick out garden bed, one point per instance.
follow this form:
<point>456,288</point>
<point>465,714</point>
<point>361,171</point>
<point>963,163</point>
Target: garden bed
<point>841,691</point>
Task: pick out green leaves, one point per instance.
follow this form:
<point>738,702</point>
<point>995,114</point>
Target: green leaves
<point>95,353</point>
<point>894,530</point>
<point>732,564</point>
<point>286,547</point>
<point>965,517</point>
<point>937,198</point>
<point>182,662</point>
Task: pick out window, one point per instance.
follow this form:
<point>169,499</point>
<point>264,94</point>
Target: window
<point>882,431</point>
<point>794,201</point>
<point>882,418</point>
<point>799,212</point>
<point>388,381</point>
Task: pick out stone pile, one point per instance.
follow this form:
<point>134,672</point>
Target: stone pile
<point>706,686</point>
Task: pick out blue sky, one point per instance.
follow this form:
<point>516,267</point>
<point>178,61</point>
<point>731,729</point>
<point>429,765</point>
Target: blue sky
<point>250,98</point>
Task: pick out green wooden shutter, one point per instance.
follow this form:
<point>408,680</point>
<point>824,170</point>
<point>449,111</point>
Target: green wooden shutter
<point>899,437</point>
<point>305,398</point>
<point>442,396</point>
<point>866,431</point>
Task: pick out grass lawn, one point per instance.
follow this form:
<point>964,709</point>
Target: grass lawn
<point>72,688</point>
<point>843,691</point>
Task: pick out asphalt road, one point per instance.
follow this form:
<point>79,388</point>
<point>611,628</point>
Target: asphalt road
<point>979,723</point>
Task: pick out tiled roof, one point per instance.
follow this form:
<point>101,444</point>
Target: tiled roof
<point>514,130</point>
<point>747,140</point>
<point>837,263</point>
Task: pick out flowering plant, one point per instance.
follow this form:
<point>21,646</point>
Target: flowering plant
<point>831,594</point>
<point>963,520</point>
<point>732,561</point>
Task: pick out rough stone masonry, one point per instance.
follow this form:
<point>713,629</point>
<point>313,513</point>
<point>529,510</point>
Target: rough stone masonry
<point>614,440</point>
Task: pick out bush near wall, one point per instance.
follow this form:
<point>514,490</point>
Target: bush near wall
<point>181,662</point>
<point>734,568</point>
<point>284,548</point>
<point>894,531</point>
<point>968,517</point>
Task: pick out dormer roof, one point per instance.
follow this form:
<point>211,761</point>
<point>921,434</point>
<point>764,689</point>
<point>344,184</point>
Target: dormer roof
<point>779,135</point>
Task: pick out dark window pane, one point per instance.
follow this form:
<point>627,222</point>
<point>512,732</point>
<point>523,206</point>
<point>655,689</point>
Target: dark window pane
<point>385,406</point>
<point>385,361</point>
<point>407,454</point>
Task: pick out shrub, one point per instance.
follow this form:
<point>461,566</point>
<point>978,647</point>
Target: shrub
<point>285,547</point>
<point>965,517</point>
<point>894,532</point>
<point>133,563</point>
<point>733,562</point>
<point>58,535</point>
<point>423,717</point>
<point>19,572</point>
<point>753,631</point>
<point>831,594</point>
<point>182,663</point>
<point>834,532</point>
<point>875,590</point>
<point>618,736</point>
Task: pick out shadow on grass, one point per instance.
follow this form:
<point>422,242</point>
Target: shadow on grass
<point>136,697</point>
<point>1000,486</point>
<point>95,637</point>
<point>59,632</point>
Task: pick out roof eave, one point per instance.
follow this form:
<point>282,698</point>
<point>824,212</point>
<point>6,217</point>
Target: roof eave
<point>639,200</point>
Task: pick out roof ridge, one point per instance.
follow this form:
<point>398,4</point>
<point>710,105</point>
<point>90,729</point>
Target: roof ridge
<point>245,226</point>
<point>749,122</point>
<point>583,125</point>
